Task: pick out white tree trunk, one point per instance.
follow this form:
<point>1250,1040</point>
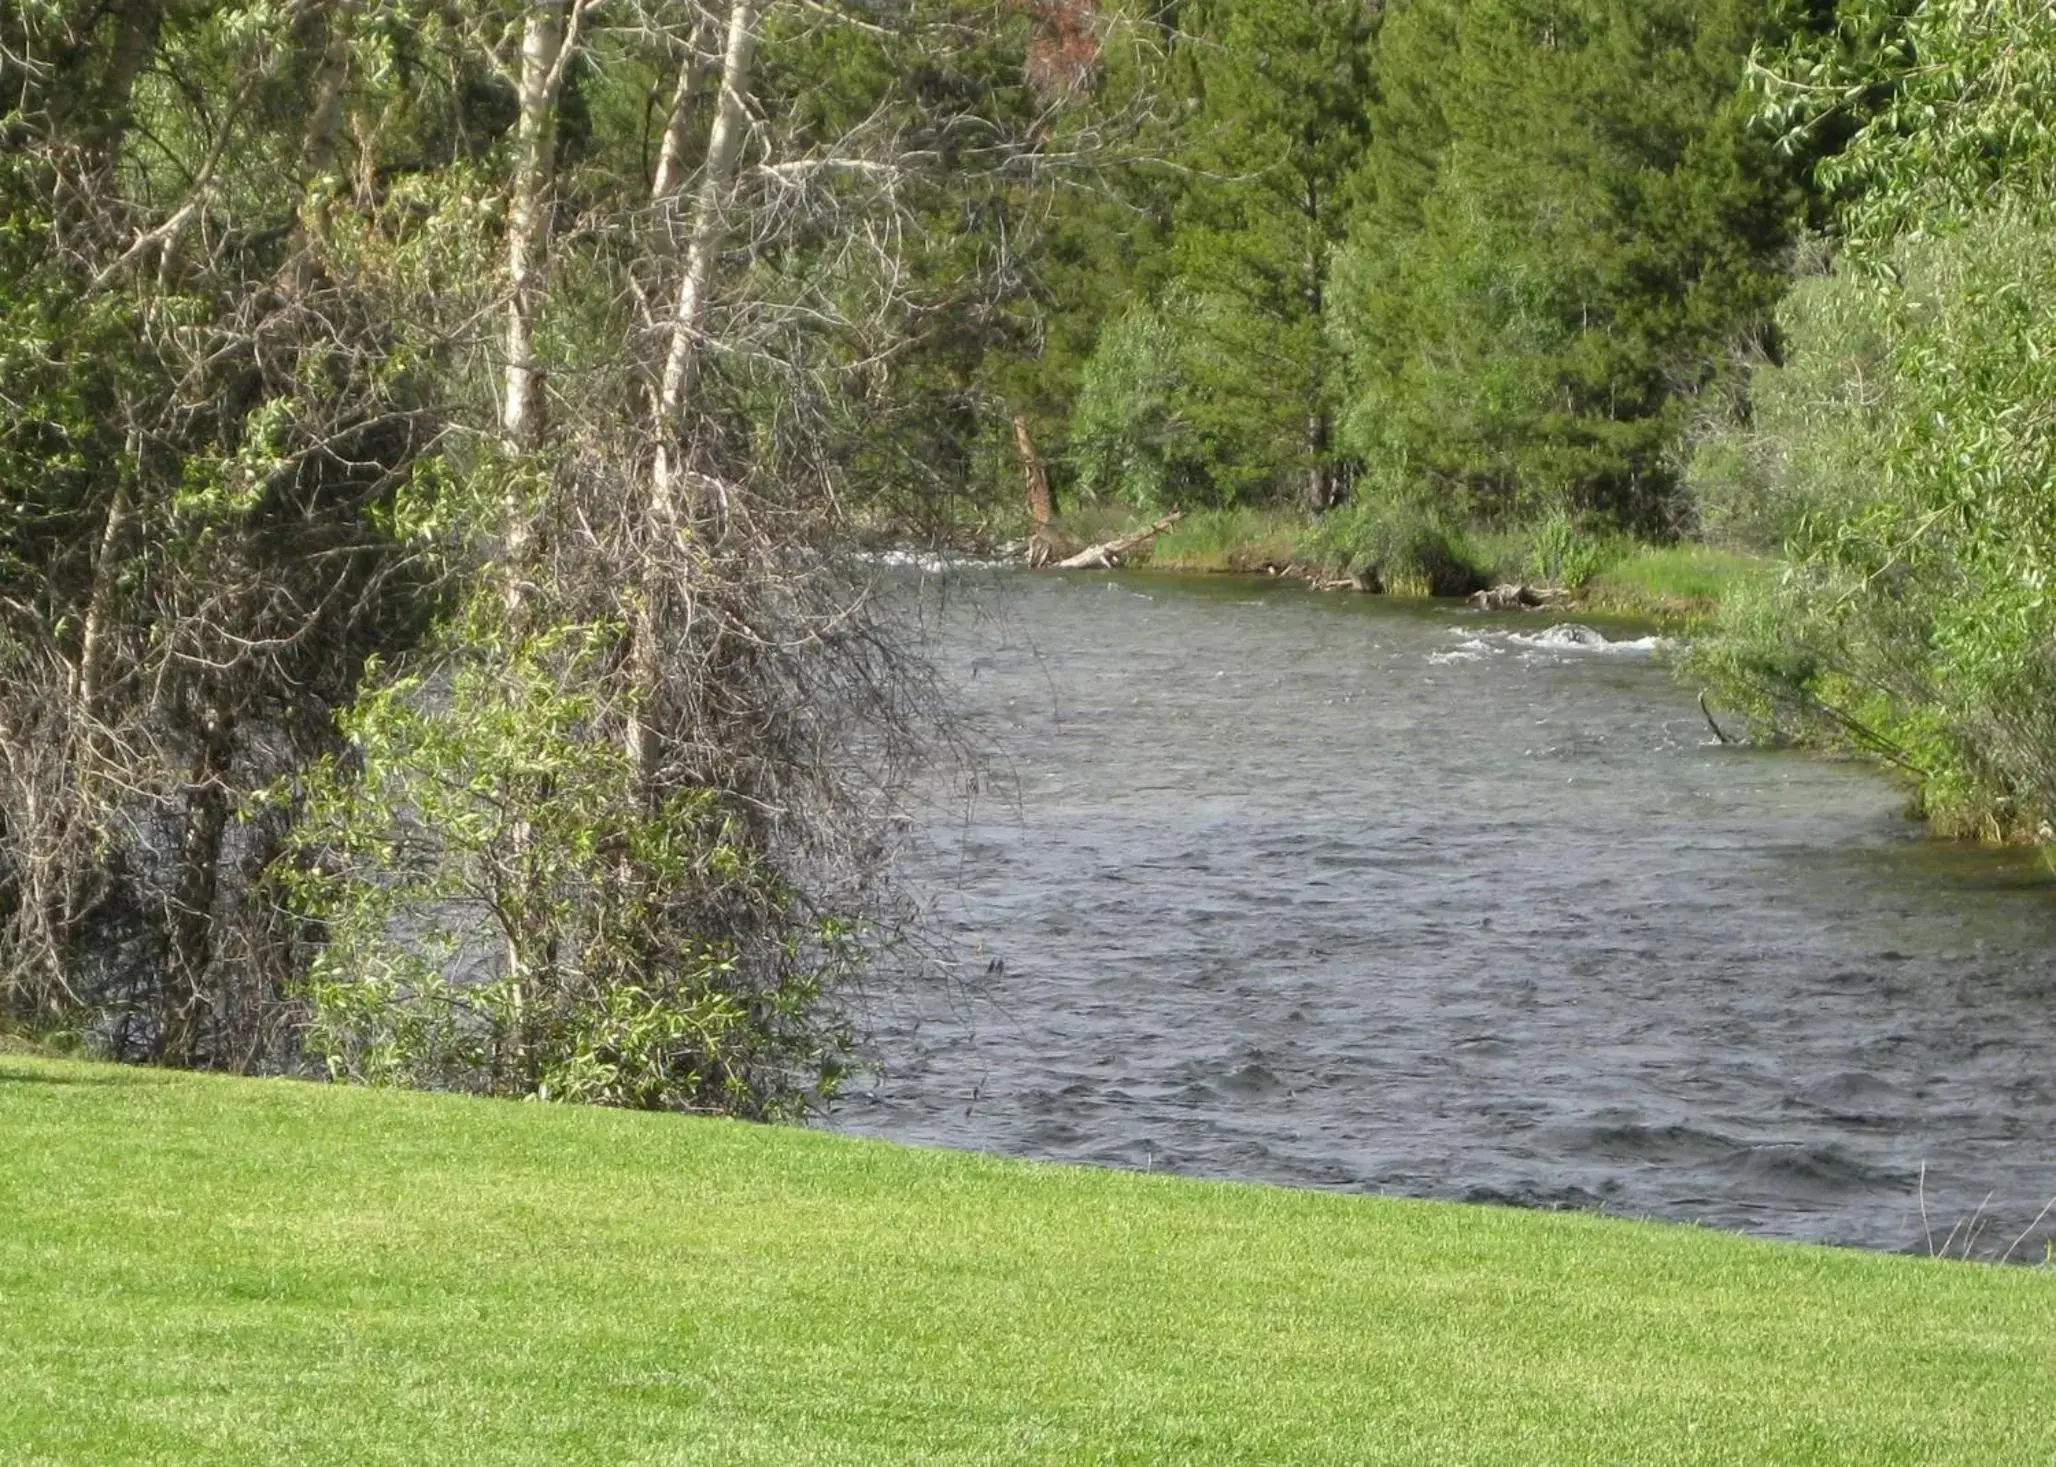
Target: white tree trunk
<point>667,511</point>
<point>692,81</point>
<point>528,218</point>
<point>709,231</point>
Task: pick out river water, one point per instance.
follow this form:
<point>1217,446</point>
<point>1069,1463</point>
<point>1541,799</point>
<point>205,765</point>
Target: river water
<point>1343,892</point>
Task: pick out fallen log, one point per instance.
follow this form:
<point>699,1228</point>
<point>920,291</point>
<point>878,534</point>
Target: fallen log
<point>1109,554</point>
<point>1047,546</point>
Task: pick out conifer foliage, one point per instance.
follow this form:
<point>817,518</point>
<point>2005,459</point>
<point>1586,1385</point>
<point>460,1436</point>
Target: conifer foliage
<point>1567,224</point>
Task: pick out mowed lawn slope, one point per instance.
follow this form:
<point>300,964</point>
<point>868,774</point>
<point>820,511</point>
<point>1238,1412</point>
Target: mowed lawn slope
<point>198,1270</point>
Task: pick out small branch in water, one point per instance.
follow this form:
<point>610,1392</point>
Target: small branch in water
<point>1718,732</point>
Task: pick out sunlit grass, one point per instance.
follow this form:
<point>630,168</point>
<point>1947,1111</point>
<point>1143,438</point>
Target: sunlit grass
<point>1681,581</point>
<point>213,1271</point>
<point>1248,540</point>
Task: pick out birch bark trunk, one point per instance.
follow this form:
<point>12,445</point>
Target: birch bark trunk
<point>669,513</point>
<point>528,218</point>
<point>709,231</point>
<point>692,82</point>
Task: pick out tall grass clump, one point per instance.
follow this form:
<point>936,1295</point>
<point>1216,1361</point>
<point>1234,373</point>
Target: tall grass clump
<point>1243,539</point>
<point>1399,544</point>
<point>1567,550</point>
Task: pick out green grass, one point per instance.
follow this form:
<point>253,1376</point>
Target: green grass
<point>1680,583</point>
<point>1238,540</point>
<point>1677,586</point>
<point>198,1270</point>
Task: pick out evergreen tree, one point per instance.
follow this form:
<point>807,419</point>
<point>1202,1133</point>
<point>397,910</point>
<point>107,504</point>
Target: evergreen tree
<point>1568,222</point>
<point>1272,128</point>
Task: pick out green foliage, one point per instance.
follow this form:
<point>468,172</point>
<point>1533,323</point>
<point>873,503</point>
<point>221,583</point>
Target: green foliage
<point>1130,439</point>
<point>1223,348</point>
<point>505,913</point>
<point>1900,455</point>
<point>1807,435</point>
<point>1567,223</point>
<point>1567,552</point>
<point>1158,425</point>
<point>1899,451</point>
<point>1399,544</point>
<point>1946,102</point>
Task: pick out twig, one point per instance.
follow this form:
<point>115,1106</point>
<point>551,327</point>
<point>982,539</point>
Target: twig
<point>1717,732</point>
<point>2007,1256</point>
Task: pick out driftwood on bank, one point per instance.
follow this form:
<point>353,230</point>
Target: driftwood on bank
<point>1521,598</point>
<point>1108,554</point>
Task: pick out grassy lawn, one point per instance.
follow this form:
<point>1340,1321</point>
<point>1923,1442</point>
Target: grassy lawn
<point>212,1271</point>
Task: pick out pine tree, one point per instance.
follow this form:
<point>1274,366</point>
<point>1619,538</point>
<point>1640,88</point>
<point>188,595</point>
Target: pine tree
<point>1272,129</point>
<point>1568,224</point>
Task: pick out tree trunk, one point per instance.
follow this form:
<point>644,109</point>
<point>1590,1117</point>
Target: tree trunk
<point>692,81</point>
<point>135,37</point>
<point>331,33</point>
<point>1320,473</point>
<point>528,219</point>
<point>1110,554</point>
<point>331,78</point>
<point>709,230</point>
<point>1041,508</point>
<point>92,669</point>
<point>190,945</point>
<point>669,513</point>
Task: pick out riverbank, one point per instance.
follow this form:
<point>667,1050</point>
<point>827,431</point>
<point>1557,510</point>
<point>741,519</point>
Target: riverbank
<point>212,1270</point>
<point>1677,587</point>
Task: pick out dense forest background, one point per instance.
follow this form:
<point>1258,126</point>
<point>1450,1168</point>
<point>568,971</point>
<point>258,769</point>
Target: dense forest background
<point>431,433</point>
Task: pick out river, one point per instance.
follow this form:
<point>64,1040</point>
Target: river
<point>1343,892</point>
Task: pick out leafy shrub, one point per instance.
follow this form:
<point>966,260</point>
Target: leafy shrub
<point>506,914</point>
<point>1401,545</point>
<point>1180,407</point>
<point>1902,454</point>
<point>1129,440</point>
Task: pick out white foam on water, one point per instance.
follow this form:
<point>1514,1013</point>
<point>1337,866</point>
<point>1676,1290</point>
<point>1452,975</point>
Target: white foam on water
<point>928,562</point>
<point>1575,638</point>
<point>1471,650</point>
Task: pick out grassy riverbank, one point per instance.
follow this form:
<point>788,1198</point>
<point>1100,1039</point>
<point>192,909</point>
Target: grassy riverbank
<point>199,1270</point>
<point>1678,586</point>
